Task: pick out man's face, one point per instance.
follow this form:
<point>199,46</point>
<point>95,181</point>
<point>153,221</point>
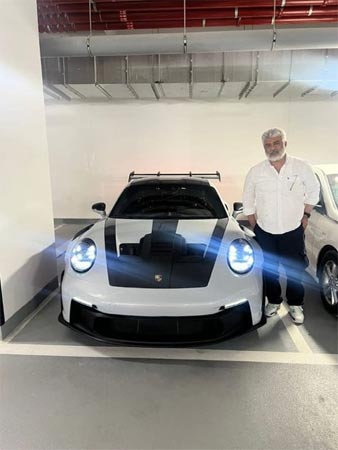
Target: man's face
<point>274,148</point>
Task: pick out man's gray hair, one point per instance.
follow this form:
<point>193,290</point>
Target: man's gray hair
<point>273,132</point>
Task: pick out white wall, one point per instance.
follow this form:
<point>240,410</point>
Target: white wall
<point>93,147</point>
<point>27,262</point>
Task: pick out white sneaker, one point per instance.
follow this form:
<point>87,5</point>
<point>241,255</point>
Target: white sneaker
<point>271,309</point>
<point>296,312</point>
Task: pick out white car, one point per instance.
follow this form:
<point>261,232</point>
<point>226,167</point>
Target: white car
<point>167,265</point>
<point>321,236</point>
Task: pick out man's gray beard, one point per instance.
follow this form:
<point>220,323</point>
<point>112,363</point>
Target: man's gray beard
<point>276,158</point>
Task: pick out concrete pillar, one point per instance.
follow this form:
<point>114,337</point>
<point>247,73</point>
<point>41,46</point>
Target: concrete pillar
<point>27,253</point>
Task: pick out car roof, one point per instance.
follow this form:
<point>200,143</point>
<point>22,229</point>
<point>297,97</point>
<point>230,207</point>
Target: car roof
<point>327,168</point>
<point>170,180</point>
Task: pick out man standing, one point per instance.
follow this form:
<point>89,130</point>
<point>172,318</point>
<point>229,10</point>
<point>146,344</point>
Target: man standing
<point>279,194</point>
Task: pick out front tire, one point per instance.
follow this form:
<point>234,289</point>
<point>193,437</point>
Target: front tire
<point>328,281</point>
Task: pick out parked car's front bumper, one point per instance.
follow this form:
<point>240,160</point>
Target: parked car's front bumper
<point>113,328</point>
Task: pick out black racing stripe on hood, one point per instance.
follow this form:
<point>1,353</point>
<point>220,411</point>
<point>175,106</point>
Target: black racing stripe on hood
<point>162,258</point>
<point>198,273</point>
<point>110,236</point>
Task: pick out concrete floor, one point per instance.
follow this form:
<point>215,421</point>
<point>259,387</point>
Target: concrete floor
<point>60,390</point>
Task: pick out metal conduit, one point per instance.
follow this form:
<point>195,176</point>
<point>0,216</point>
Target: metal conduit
<point>199,42</point>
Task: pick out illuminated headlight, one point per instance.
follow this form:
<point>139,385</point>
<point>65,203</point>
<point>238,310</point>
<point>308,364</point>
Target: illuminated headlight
<point>83,255</point>
<point>240,256</point>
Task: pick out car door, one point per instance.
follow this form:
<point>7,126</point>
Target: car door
<point>310,235</point>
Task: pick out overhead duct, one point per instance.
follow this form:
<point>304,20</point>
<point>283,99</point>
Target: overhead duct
<point>197,42</point>
<point>232,76</point>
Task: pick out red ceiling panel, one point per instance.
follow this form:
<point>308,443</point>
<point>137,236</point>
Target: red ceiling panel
<point>73,15</point>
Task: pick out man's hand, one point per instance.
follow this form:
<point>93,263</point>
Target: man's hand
<point>307,213</point>
<point>304,221</point>
<point>252,220</point>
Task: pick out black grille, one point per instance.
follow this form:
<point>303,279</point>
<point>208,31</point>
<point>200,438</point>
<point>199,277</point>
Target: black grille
<point>160,330</point>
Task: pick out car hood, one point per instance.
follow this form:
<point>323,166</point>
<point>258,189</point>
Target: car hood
<point>162,253</point>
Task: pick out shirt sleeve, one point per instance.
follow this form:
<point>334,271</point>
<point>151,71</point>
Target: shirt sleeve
<point>249,206</point>
<point>311,186</point>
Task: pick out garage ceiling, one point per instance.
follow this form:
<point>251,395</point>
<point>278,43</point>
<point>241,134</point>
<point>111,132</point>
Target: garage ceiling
<point>106,50</point>
<point>57,16</point>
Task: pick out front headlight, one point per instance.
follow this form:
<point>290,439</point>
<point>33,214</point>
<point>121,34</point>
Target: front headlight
<point>240,256</point>
<point>83,255</point>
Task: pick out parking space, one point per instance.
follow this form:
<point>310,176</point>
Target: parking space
<point>273,388</point>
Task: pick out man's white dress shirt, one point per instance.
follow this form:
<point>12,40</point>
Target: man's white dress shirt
<point>278,199</point>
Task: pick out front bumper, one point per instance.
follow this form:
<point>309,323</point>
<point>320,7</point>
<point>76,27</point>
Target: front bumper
<point>112,328</point>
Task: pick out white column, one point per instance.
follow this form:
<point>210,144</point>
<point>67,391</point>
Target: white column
<point>27,254</point>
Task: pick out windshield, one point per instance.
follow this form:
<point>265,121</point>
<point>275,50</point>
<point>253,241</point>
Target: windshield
<point>333,181</point>
<point>169,200</point>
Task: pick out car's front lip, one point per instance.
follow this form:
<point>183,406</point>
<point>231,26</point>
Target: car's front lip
<point>179,330</point>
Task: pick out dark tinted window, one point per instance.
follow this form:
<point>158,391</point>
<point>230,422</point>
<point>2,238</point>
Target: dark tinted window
<point>169,200</point>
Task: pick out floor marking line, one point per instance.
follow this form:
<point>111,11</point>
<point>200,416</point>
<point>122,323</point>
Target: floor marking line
<point>294,333</point>
<point>75,351</point>
<point>31,316</point>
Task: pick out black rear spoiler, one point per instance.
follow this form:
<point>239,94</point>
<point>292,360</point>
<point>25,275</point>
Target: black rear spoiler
<point>209,176</point>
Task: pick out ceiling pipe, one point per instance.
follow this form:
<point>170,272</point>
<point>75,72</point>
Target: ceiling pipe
<point>57,27</point>
<point>76,6</point>
<point>191,15</point>
<point>288,21</point>
<point>72,15</point>
<point>197,42</point>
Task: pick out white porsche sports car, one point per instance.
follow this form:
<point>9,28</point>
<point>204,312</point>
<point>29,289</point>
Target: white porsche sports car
<point>167,265</point>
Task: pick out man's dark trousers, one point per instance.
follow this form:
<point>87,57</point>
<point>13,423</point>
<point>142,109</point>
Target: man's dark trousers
<point>287,249</point>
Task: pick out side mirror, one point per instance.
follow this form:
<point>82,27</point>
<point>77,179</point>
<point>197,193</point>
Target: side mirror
<point>238,209</point>
<point>238,206</point>
<point>100,208</point>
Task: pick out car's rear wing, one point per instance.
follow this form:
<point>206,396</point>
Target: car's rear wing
<point>209,176</point>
